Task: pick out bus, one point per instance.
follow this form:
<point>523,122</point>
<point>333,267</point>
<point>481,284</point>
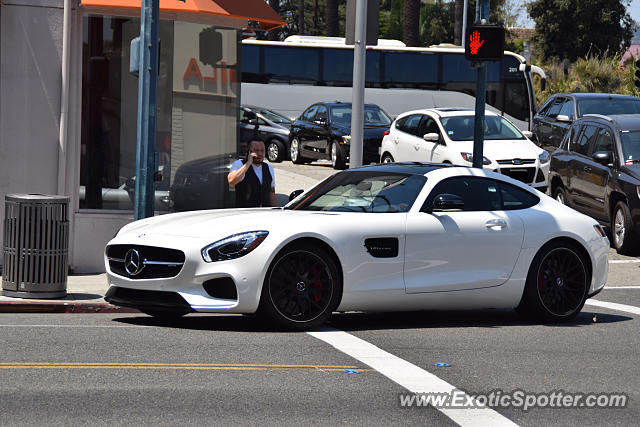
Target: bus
<point>288,76</point>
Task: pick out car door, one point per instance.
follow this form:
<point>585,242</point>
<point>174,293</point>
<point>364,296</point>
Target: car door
<point>597,176</point>
<point>320,129</point>
<point>433,150</point>
<point>579,168</point>
<point>304,130</point>
<point>472,248</point>
<point>408,141</point>
<point>545,123</point>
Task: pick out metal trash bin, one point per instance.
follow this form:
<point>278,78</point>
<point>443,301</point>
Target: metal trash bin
<point>36,246</point>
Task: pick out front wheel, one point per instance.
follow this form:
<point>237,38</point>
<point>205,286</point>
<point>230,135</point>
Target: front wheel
<point>338,160</point>
<point>560,195</point>
<point>302,287</point>
<point>625,240</point>
<point>387,158</point>
<point>557,284</point>
<point>294,152</point>
<point>275,151</point>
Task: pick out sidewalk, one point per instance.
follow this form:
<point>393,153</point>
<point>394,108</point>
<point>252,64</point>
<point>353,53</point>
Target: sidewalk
<point>84,295</point>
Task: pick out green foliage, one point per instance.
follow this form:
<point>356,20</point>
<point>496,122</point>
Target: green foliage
<point>571,29</point>
<point>590,74</point>
<point>436,23</point>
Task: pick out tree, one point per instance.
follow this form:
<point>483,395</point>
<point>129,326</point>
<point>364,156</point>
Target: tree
<point>331,18</point>
<point>459,13</point>
<point>410,28</point>
<point>570,29</point>
<point>437,23</point>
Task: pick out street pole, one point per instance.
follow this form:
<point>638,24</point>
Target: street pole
<point>482,17</point>
<point>357,100</point>
<point>147,109</point>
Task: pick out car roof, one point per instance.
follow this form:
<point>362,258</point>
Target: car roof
<point>447,112</point>
<point>342,104</point>
<point>622,121</point>
<point>413,168</point>
<point>592,95</point>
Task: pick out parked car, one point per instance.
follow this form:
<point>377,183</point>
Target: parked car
<point>323,131</point>
<point>268,125</point>
<point>558,112</point>
<point>202,184</point>
<point>596,171</point>
<point>402,236</point>
<point>445,135</point>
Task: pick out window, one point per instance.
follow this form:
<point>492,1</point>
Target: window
<point>483,194</point>
<point>567,109</point>
<point>321,114</point>
<point>581,144</point>
<point>604,141</point>
<point>411,124</point>
<point>310,113</point>
<point>428,125</point>
<point>570,136</point>
<point>337,67</point>
<point>245,116</point>
<point>409,69</point>
<point>554,109</point>
<point>278,66</point>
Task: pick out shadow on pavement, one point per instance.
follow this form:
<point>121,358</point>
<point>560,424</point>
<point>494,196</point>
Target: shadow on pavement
<point>372,321</point>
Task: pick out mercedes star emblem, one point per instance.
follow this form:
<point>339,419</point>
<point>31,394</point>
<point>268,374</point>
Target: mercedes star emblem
<point>133,262</point>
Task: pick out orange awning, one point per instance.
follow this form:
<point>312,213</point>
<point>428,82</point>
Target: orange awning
<point>224,13</point>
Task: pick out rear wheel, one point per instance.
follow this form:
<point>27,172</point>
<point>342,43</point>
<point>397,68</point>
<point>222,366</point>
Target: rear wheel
<point>294,151</point>
<point>338,160</point>
<point>557,284</point>
<point>302,287</point>
<point>275,151</point>
<point>387,158</point>
<point>625,240</point>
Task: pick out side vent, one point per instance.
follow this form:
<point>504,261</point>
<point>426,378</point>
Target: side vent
<point>382,247</point>
<point>222,287</point>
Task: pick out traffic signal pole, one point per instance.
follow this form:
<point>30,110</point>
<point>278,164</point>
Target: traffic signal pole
<point>482,17</point>
<point>147,109</point>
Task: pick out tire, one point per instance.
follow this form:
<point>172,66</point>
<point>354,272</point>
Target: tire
<point>623,236</point>
<point>301,289</point>
<point>294,152</point>
<point>387,158</point>
<point>275,151</point>
<point>560,195</point>
<point>337,157</point>
<point>557,284</point>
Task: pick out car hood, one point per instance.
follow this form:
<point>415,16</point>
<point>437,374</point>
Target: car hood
<point>213,224</point>
<point>502,149</point>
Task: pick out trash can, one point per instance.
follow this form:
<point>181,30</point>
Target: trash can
<point>36,246</point>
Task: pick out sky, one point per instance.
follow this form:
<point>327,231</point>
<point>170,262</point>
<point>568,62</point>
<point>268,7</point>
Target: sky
<point>634,11</point>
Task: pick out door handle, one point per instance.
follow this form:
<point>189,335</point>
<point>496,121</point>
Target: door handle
<point>496,224</point>
<point>586,169</point>
<point>417,147</point>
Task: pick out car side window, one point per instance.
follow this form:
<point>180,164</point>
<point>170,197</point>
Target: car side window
<point>554,110</point>
<point>428,125</point>
<point>478,194</point>
<point>411,124</point>
<point>310,113</point>
<point>604,141</point>
<point>544,110</point>
<point>570,136</point>
<point>581,144</point>
<point>321,114</point>
<point>516,198</point>
<point>245,116</point>
<point>567,109</point>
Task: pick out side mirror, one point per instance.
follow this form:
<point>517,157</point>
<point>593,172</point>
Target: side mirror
<point>603,157</point>
<point>563,118</point>
<point>253,122</point>
<point>528,134</point>
<point>295,194</point>
<point>447,202</point>
<point>432,137</point>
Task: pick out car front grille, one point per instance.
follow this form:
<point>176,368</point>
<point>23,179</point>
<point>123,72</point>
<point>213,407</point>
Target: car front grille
<point>521,174</point>
<point>144,262</point>
<point>516,162</point>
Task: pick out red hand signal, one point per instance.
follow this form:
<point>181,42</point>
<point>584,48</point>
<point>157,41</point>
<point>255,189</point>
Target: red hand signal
<point>475,42</point>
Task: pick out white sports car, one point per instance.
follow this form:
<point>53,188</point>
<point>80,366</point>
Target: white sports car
<point>400,236</point>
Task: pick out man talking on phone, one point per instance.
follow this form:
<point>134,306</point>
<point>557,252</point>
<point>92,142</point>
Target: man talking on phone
<point>253,179</point>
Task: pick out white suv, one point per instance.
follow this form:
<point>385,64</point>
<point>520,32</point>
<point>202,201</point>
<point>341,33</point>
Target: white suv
<point>445,135</point>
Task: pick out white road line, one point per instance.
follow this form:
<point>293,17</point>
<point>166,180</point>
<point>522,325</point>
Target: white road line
<point>608,288</point>
<point>614,306</point>
<point>623,261</point>
<point>408,375</point>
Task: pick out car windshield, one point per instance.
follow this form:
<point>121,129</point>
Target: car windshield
<point>630,146</point>
<point>373,115</point>
<point>363,191</point>
<point>275,117</point>
<point>608,107</point>
<point>460,128</point>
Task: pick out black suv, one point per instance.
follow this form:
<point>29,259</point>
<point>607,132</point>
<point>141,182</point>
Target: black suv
<point>323,131</point>
<point>596,171</point>
<point>558,112</point>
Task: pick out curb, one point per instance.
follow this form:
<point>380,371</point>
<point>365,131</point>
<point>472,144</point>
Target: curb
<point>62,307</point>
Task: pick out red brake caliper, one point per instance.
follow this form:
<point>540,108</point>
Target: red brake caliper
<point>316,285</point>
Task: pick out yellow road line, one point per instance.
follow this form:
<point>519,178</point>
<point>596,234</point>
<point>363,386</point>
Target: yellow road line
<point>182,366</point>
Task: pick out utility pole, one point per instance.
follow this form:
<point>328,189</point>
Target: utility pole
<point>482,17</point>
<point>147,109</point>
<point>357,100</point>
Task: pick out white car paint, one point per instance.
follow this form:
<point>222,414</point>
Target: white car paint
<point>404,146</point>
<point>446,260</point>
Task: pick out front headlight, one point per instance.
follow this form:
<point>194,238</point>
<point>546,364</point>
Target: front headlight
<point>544,157</point>
<point>469,158</point>
<point>233,246</point>
<point>346,139</point>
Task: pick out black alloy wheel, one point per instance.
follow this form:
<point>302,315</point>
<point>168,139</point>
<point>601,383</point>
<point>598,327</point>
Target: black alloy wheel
<point>557,284</point>
<point>275,151</point>
<point>302,287</point>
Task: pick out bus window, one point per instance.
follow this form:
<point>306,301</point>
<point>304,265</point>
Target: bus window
<point>411,70</point>
<point>251,64</point>
<point>337,67</point>
<point>279,67</point>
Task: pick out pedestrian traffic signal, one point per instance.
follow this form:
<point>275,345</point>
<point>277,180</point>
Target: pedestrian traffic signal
<point>636,81</point>
<point>484,43</point>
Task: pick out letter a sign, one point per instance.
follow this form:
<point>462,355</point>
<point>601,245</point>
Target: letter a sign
<point>484,43</point>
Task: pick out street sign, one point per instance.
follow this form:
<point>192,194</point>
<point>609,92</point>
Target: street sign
<point>484,43</point>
